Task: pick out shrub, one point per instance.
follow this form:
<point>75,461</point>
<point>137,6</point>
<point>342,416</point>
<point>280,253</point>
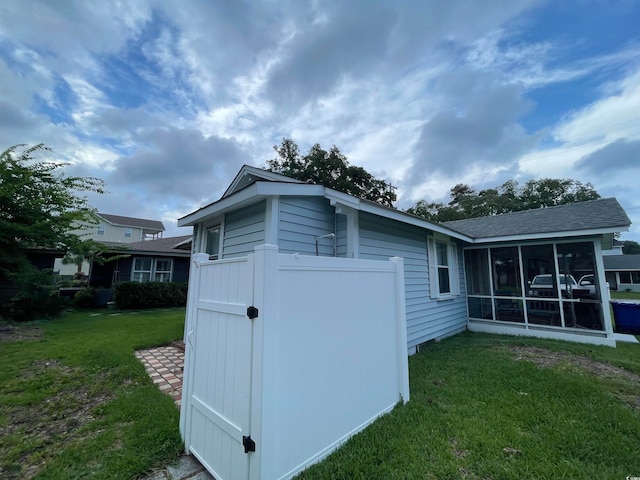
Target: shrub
<point>129,295</point>
<point>85,298</point>
<point>36,302</point>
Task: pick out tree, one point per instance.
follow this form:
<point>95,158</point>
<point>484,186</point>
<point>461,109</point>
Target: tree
<point>94,253</point>
<point>331,169</point>
<point>39,208</point>
<point>509,197</point>
<point>630,247</point>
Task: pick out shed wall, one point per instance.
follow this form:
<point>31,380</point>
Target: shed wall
<point>427,319</point>
<point>244,230</point>
<point>301,220</point>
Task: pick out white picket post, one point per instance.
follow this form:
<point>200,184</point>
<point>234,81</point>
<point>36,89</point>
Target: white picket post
<point>401,326</point>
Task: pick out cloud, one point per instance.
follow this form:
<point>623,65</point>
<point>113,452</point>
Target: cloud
<point>179,164</point>
<point>480,127</point>
<point>616,156</point>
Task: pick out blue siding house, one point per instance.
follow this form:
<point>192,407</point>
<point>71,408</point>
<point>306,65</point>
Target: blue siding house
<point>479,274</point>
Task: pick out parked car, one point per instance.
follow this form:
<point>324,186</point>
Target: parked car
<point>543,286</point>
<point>589,281</point>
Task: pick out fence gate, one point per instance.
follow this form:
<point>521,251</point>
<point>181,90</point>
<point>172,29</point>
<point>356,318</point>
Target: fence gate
<point>216,413</point>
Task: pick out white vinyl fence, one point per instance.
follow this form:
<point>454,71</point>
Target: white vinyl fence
<point>287,356</point>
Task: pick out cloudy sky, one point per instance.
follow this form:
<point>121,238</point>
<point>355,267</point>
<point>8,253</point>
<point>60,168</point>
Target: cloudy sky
<point>165,100</point>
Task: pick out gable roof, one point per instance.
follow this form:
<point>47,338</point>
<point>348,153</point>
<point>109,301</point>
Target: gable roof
<point>159,246</point>
<point>621,262</point>
<point>132,222</point>
<point>248,175</point>
<point>595,217</point>
<point>604,215</point>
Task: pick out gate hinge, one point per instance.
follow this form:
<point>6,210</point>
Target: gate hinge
<point>252,312</point>
<point>249,444</point>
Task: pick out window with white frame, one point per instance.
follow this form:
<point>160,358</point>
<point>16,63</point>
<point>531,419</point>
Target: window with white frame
<point>100,230</point>
<point>151,269</point>
<point>212,241</point>
<point>442,268</point>
<point>128,233</point>
<point>162,270</point>
<point>141,269</point>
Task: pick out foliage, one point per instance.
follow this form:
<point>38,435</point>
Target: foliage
<point>629,247</point>
<point>466,202</point>
<point>93,252</point>
<point>129,295</point>
<point>34,298</point>
<point>39,207</point>
<point>331,169</point>
<point>76,403</point>
<point>85,298</point>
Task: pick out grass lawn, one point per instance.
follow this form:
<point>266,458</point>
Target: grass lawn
<point>625,295</point>
<point>75,403</point>
<point>490,407</point>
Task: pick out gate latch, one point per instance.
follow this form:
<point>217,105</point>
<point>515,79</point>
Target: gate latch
<point>252,312</point>
<point>249,444</point>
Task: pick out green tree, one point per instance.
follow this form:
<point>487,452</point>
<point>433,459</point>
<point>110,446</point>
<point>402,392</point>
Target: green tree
<point>39,208</point>
<point>331,169</point>
<point>630,247</point>
<point>466,202</point>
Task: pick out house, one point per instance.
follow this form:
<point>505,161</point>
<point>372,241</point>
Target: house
<point>119,229</point>
<point>159,260</point>
<point>623,272</point>
<point>471,274</point>
<point>319,345</point>
<point>113,230</point>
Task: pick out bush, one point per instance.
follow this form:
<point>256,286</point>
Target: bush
<point>36,302</point>
<point>85,298</point>
<point>129,295</point>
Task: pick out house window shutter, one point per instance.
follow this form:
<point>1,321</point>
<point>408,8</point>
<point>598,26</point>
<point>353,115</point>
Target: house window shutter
<point>433,268</point>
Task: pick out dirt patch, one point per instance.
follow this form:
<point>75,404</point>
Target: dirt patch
<point>548,358</point>
<point>56,419</point>
<point>15,333</point>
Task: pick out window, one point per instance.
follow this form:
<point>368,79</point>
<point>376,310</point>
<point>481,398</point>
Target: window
<point>100,230</point>
<point>141,269</point>
<point>213,242</point>
<point>442,268</point>
<point>163,270</point>
<point>547,286</point>
<point>625,277</point>
<point>127,233</point>
<point>151,270</point>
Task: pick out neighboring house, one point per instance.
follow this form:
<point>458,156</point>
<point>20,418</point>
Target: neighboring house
<point>471,274</point>
<point>119,229</point>
<point>114,230</point>
<point>623,272</point>
<point>160,260</point>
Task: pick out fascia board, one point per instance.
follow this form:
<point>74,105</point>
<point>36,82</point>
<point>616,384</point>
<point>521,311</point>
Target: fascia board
<point>255,191</point>
<point>548,235</point>
<point>256,172</point>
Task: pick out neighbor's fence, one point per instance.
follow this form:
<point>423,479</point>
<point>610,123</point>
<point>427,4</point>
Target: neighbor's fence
<point>287,356</point>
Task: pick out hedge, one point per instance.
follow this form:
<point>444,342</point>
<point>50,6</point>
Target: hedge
<point>129,295</point>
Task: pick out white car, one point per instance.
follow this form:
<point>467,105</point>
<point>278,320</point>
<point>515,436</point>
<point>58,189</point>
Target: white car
<point>542,286</point>
<point>589,281</point>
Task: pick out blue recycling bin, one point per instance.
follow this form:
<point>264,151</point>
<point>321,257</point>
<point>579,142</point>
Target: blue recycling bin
<point>626,316</point>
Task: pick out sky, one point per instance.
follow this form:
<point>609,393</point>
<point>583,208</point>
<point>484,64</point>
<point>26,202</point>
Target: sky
<point>166,100</point>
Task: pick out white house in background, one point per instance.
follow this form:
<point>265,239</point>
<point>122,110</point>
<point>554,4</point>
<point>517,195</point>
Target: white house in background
<point>119,229</point>
<point>114,230</point>
<point>623,272</point>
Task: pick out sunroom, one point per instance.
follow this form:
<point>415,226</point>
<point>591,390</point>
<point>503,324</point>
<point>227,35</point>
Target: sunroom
<point>526,276</point>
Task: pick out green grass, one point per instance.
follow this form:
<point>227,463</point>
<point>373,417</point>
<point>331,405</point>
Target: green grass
<point>77,404</point>
<point>476,412</point>
<point>625,295</point>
